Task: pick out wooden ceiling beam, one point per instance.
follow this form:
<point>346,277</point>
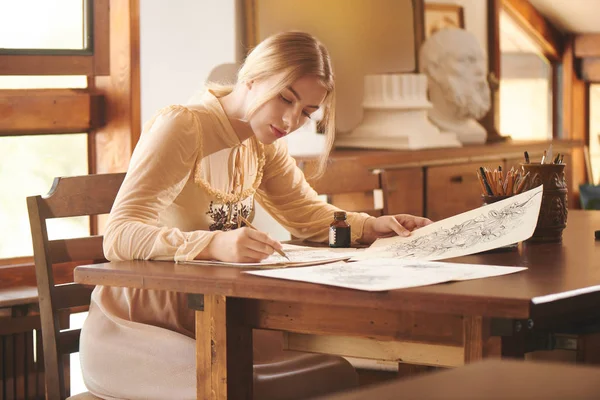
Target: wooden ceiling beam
<point>551,40</point>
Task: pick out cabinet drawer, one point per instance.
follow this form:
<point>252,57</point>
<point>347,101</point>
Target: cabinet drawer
<point>403,191</point>
<point>451,190</point>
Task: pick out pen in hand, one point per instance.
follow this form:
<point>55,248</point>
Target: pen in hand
<point>245,221</point>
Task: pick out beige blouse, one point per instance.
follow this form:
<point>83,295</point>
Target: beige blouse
<point>188,177</point>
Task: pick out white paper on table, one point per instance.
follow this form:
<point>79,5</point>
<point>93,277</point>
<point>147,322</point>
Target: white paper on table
<point>387,274</point>
<point>298,256</point>
<point>495,225</point>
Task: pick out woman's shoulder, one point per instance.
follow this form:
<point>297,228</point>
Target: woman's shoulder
<point>179,116</point>
<point>180,110</point>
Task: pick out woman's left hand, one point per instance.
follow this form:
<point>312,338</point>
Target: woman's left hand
<point>391,225</point>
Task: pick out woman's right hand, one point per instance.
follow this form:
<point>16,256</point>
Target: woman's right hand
<point>239,245</point>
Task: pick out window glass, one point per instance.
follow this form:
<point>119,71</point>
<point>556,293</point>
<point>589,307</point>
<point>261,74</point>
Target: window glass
<point>43,82</point>
<point>42,24</point>
<point>28,167</point>
<point>525,85</point>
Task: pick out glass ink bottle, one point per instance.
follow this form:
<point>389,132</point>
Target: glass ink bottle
<point>339,230</point>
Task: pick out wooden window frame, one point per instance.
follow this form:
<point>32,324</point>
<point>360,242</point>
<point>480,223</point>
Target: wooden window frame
<point>49,111</point>
<point>550,39</point>
<point>573,63</point>
<point>108,110</point>
<point>93,61</point>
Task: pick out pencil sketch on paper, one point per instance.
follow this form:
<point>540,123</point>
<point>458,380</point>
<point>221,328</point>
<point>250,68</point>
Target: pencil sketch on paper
<point>308,254</point>
<point>387,274</point>
<point>350,274</point>
<point>298,256</point>
<point>499,224</point>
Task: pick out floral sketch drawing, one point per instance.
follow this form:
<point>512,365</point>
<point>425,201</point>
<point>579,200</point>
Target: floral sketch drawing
<point>348,274</point>
<point>485,227</point>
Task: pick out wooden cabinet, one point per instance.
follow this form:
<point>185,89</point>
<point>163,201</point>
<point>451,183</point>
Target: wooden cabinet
<point>403,191</point>
<point>451,190</point>
<point>435,183</point>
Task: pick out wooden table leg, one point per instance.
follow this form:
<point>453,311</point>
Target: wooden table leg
<point>474,338</point>
<point>223,350</point>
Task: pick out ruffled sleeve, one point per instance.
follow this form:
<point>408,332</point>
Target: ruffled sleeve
<point>286,196</point>
<point>160,166</point>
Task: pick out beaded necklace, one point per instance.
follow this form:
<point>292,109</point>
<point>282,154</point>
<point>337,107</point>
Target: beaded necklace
<point>238,193</point>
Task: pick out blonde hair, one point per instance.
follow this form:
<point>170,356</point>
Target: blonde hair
<point>291,55</point>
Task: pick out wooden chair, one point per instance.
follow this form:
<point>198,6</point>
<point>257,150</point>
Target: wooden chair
<point>68,197</point>
<point>348,185</point>
<point>277,374</point>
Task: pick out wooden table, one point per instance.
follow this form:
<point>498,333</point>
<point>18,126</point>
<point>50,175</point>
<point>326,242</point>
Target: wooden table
<point>445,325</point>
<point>492,379</point>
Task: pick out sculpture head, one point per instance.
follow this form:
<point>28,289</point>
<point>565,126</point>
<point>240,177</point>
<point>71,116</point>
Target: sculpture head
<point>456,68</point>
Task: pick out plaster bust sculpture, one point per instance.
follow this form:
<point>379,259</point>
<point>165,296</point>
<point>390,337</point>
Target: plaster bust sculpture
<point>455,65</point>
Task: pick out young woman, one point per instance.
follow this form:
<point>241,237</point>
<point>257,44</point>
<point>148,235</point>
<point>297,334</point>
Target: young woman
<point>193,172</point>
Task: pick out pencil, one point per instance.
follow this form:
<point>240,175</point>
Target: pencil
<point>557,158</point>
<point>522,183</point>
<point>490,181</point>
<point>244,220</point>
<point>511,182</point>
<point>480,180</point>
<point>486,182</point>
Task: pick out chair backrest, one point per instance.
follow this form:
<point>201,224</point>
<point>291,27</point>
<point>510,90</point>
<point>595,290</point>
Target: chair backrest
<point>348,185</point>
<point>69,197</point>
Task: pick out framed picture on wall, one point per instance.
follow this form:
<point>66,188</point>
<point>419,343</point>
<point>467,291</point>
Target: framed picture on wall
<point>439,16</point>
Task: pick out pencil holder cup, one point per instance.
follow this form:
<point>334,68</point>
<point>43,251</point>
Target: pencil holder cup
<point>553,212</point>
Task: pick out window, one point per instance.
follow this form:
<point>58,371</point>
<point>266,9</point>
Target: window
<point>48,51</point>
<point>54,37</point>
<point>43,82</point>
<point>55,80</point>
<point>525,84</point>
<point>29,165</point>
<point>42,24</point>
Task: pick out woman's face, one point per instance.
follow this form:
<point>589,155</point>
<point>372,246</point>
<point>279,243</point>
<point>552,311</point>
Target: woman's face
<point>287,111</point>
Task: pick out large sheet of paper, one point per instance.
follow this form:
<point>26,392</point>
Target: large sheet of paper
<point>495,225</point>
<point>298,256</point>
<point>387,274</point>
